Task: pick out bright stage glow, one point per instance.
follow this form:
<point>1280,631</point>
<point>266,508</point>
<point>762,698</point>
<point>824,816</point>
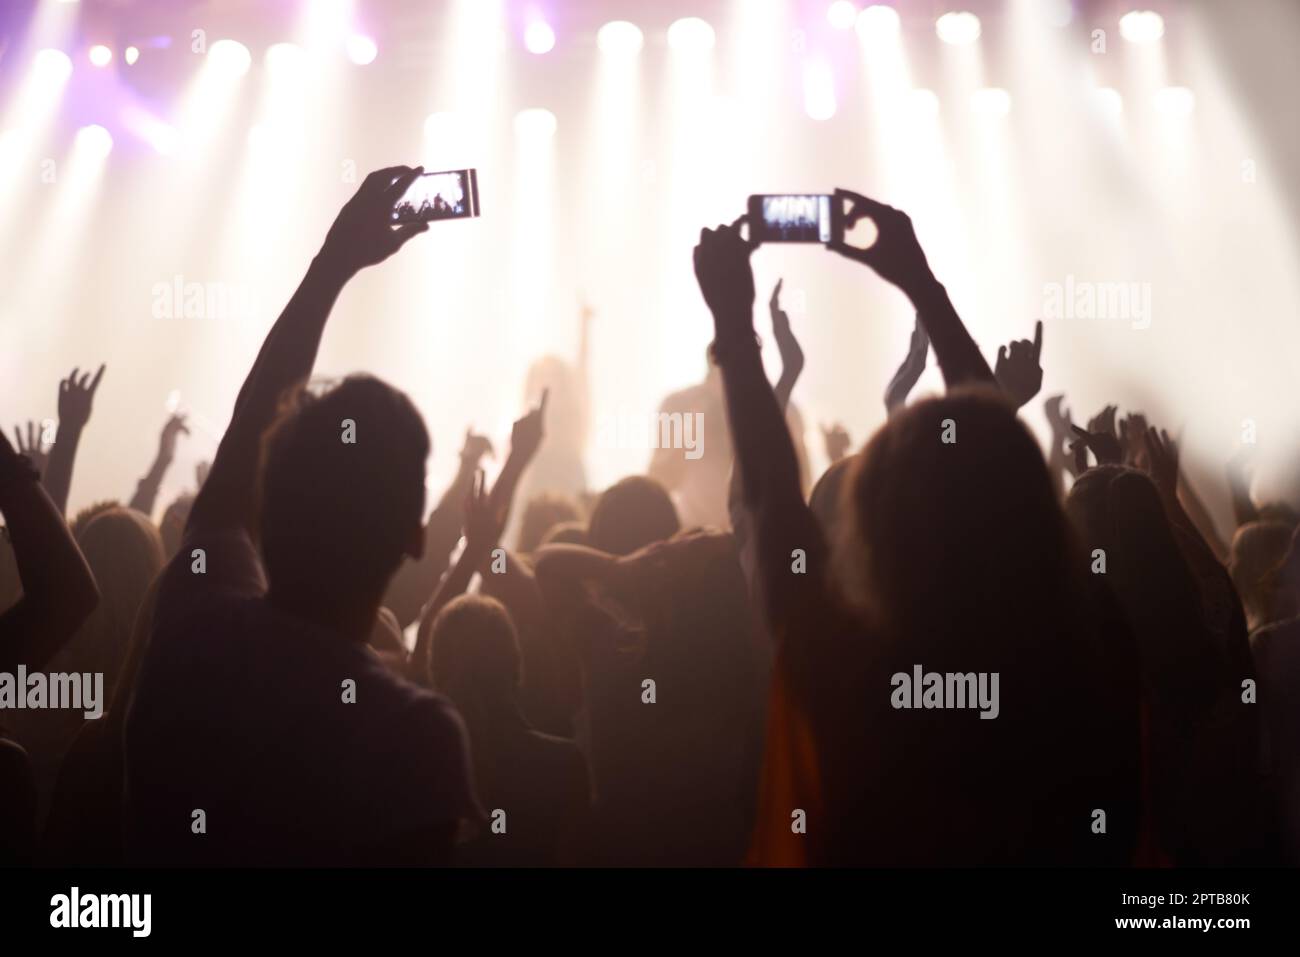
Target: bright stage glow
<point>1142,26</point>
<point>230,57</point>
<point>620,37</point>
<point>818,89</point>
<point>361,49</point>
<point>100,55</point>
<point>1108,100</point>
<point>534,123</point>
<point>991,101</point>
<point>131,55</point>
<point>51,68</point>
<point>283,58</point>
<point>539,38</point>
<point>958,28</point>
<point>1175,101</point>
<point>841,14</point>
<point>1058,13</point>
<point>95,140</point>
<point>691,35</point>
<point>924,102</point>
<point>878,22</point>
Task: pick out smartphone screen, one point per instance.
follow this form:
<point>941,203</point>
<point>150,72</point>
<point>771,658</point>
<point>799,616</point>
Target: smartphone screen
<point>448,195</point>
<point>790,218</point>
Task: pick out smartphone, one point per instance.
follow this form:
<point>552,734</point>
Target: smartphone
<point>448,195</point>
<point>793,218</point>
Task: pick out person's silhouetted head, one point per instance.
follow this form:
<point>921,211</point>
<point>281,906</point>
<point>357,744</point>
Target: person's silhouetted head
<point>125,554</point>
<point>474,655</point>
<point>953,524</point>
<point>342,499</point>
<point>542,513</point>
<point>1257,550</point>
<point>566,533</point>
<point>630,514</point>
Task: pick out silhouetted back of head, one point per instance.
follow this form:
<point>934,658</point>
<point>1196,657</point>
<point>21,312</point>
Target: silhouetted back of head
<point>632,513</point>
<point>566,533</point>
<point>1257,550</point>
<point>474,657</point>
<point>342,492</point>
<point>125,553</point>
<point>952,525</point>
<point>544,512</point>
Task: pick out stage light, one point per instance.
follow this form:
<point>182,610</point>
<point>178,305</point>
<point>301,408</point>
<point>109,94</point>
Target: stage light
<point>230,57</point>
<point>1142,26</point>
<point>924,102</point>
<point>285,57</point>
<point>131,55</point>
<point>534,123</point>
<point>841,14</point>
<point>539,38</point>
<point>991,101</point>
<point>361,49</point>
<point>94,139</point>
<point>878,21</point>
<point>51,67</point>
<point>958,28</point>
<point>1058,13</point>
<point>818,89</point>
<point>100,55</point>
<point>620,37</point>
<point>690,35</point>
<point>1175,101</point>
<point>1108,100</point>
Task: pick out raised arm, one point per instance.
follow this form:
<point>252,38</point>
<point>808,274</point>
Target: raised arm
<point>909,371</point>
<point>361,236</point>
<point>76,396</point>
<point>59,592</point>
<point>898,258</point>
<point>146,491</point>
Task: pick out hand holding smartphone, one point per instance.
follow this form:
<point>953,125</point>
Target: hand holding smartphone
<point>795,218</point>
<point>452,194</point>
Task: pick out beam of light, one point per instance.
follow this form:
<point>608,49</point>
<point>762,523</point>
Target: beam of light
<point>533,230</point>
<point>1175,102</point>
<point>818,89</point>
<point>27,121</point>
<point>620,38</point>
<point>878,23</point>
<point>841,14</point>
<point>991,101</point>
<point>958,28</point>
<point>208,100</point>
<point>1142,26</point>
<point>539,38</point>
<point>690,35</point>
<point>361,49</point>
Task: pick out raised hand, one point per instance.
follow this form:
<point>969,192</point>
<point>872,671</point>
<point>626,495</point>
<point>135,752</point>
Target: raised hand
<point>76,396</point>
<point>1018,371</point>
<point>172,430</point>
<point>1132,436</point>
<point>33,448</point>
<point>476,446</point>
<point>1100,438</point>
<point>1162,462</point>
<point>363,233</point>
<point>484,518</point>
<point>909,372</point>
<point>528,431</point>
<point>727,281</point>
<point>792,358</point>
<point>837,442</point>
<point>896,255</point>
<point>1062,425</point>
